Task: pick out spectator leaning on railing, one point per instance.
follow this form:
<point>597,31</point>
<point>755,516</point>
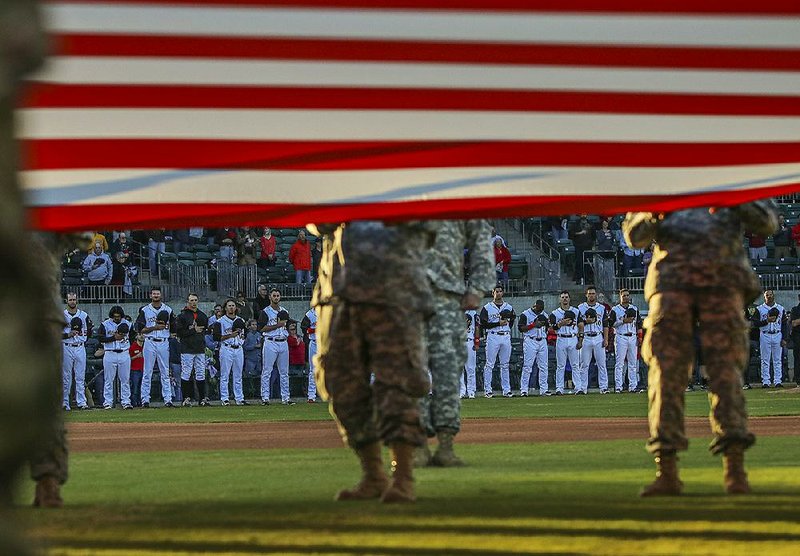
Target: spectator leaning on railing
<point>98,266</point>
<point>300,257</point>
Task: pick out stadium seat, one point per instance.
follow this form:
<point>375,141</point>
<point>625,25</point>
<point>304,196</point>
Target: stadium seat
<point>203,256</point>
<point>186,255</point>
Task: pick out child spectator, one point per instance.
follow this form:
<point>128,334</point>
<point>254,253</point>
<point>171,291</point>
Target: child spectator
<point>137,370</point>
<point>252,349</point>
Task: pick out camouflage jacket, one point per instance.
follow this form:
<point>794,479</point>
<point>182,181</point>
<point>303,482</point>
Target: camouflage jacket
<point>22,42</point>
<point>444,261</point>
<point>370,262</point>
<point>696,248</point>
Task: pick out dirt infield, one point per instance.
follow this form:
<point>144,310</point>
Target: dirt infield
<point>135,437</point>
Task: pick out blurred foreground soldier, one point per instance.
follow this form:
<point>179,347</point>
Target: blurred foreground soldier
<point>30,345</point>
<point>372,299</point>
<point>444,264</point>
<point>699,273</point>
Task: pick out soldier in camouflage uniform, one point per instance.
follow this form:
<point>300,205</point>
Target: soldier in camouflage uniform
<point>372,301</point>
<point>29,342</point>
<point>444,262</point>
<point>699,274</point>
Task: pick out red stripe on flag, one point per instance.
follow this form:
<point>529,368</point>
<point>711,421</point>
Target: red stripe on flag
<point>45,95</point>
<point>103,216</point>
<point>428,51</point>
<point>374,155</point>
<point>766,7</point>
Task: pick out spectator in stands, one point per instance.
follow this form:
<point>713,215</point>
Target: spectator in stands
<point>559,227</point>
<point>121,245</point>
<point>300,257</point>
<point>218,312</point>
<point>582,235</point>
<point>247,242</point>
<point>784,243</point>
<point>226,238</point>
<point>98,266</point>
<point>757,246</point>
<point>297,350</point>
<point>631,258</point>
<point>137,370</point>
<point>796,238</point>
<point>242,308</point>
<point>196,236</point>
<point>268,247</point>
<point>502,258</point>
<point>316,257</point>
<point>496,236</point>
<point>180,240</point>
<point>123,272</point>
<point>156,243</point>
<point>252,349</point>
<point>261,301</point>
<point>98,237</point>
<point>604,237</point>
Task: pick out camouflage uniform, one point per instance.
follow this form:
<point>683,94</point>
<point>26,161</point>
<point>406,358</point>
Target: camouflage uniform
<point>444,263</point>
<point>372,300</point>
<point>699,273</point>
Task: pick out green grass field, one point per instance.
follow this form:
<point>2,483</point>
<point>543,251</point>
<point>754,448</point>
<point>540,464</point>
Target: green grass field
<point>554,498</point>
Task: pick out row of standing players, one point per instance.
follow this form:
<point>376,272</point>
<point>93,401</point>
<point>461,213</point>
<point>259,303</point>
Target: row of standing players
<point>582,334</point>
<point>156,322</point>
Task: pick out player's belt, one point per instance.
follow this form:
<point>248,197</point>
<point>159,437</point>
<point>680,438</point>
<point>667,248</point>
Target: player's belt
<point>157,339</point>
<point>498,333</point>
<point>770,332</point>
<point>532,338</point>
<point>116,350</point>
<point>566,335</point>
<point>276,339</point>
<point>73,345</point>
<point>231,346</point>
<point>628,334</point>
<point>592,334</point>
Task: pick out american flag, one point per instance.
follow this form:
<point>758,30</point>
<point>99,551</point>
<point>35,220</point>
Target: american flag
<point>178,112</point>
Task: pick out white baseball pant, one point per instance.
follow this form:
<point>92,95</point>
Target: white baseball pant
<point>156,353</point>
<point>593,346</point>
<point>566,349</point>
<point>497,345</point>
<point>116,365</point>
<point>273,352</point>
<point>193,362</point>
<point>74,362</point>
<point>625,350</point>
<point>472,358</point>
<point>312,380</point>
<point>231,360</point>
<point>770,346</point>
<point>533,351</point>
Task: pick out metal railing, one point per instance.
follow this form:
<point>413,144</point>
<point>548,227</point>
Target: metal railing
<point>779,281</point>
<point>116,294</point>
<point>186,277</point>
<point>604,268</point>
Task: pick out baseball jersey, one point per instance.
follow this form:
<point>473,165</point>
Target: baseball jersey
<point>618,313</point>
<point>147,319</point>
<point>309,325</point>
<point>528,317</point>
<point>224,326</point>
<point>771,327</point>
<point>471,316</point>
<point>558,314</point>
<point>491,314</point>
<point>270,316</point>
<point>596,327</point>
<point>86,329</point>
<point>109,328</point>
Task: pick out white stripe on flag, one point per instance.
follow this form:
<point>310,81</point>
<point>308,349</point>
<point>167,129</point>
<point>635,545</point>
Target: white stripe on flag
<point>578,28</point>
<point>356,125</point>
<point>179,71</point>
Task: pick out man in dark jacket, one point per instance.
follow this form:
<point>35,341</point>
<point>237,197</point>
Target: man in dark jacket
<point>190,327</point>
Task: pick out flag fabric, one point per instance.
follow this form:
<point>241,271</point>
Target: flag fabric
<point>175,112</point>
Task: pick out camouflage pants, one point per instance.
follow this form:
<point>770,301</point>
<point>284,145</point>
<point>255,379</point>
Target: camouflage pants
<point>669,351</point>
<point>446,357</point>
<point>356,340</point>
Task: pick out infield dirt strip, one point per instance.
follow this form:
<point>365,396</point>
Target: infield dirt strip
<point>138,437</point>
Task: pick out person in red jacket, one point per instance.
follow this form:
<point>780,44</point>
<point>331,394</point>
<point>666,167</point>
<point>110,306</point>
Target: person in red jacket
<point>268,246</point>
<point>297,350</point>
<point>502,258</point>
<point>300,257</point>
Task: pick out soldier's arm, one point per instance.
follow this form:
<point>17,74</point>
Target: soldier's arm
<point>481,257</point>
<point>760,217</point>
<point>639,228</point>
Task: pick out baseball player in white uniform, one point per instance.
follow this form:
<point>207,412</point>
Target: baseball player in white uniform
<point>593,324</point>
<point>272,322</point>
<point>309,328</point>
<point>497,318</point>
<point>533,324</point>
<point>472,343</point>
<point>565,322</point>
<point>155,321</point>
<point>771,317</point>
<point>78,328</point>
<point>627,322</point>
<point>229,331</point>
<point>114,333</point>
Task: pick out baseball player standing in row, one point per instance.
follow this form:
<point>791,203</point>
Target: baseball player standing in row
<point>229,332</point>
<point>155,321</point>
<point>627,322</point>
<point>190,326</point>
<point>78,329</point>
<point>497,318</point>
<point>473,341</point>
<point>770,320</point>
<point>592,323</point>
<point>444,264</point>
<point>309,327</point>
<point>564,321</point>
<point>533,324</point>
<point>114,334</point>
<point>272,322</point>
